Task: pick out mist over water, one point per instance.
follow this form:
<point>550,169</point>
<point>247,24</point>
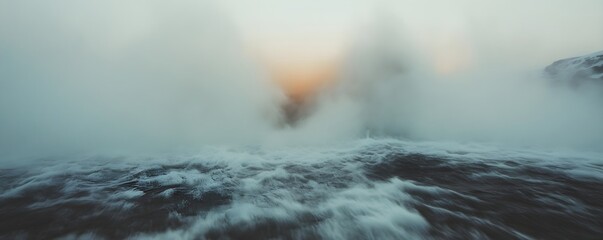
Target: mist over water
<point>330,119</point>
<point>76,74</point>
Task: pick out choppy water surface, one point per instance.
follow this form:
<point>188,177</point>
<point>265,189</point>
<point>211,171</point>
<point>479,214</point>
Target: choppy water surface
<point>370,189</point>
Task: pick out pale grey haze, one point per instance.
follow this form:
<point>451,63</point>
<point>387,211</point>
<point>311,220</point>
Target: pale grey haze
<point>286,119</point>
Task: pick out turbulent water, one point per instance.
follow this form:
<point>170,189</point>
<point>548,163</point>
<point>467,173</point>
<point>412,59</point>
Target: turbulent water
<point>369,189</point>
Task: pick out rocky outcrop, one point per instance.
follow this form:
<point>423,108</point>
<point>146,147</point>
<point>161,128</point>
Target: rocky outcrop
<point>578,69</point>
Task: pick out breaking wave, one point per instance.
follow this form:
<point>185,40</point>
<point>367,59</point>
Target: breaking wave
<point>367,189</point>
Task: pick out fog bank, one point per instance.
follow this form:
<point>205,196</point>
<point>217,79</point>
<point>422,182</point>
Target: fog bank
<point>113,74</point>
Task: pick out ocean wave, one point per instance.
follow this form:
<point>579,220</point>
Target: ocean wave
<point>368,189</point>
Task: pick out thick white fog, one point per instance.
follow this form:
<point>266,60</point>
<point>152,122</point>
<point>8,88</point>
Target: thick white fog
<point>118,74</point>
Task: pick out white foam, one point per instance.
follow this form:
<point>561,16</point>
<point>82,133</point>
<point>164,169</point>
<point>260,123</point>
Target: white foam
<point>288,184</point>
<point>128,194</point>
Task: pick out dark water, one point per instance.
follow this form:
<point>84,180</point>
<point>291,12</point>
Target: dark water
<point>514,201</point>
<point>374,190</point>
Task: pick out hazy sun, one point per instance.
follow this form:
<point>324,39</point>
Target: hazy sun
<point>300,81</point>
<point>301,68</point>
<point>299,44</point>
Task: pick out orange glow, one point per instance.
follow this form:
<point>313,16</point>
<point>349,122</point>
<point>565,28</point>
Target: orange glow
<point>299,68</point>
<point>302,81</point>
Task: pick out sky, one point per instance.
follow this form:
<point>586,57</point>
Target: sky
<point>492,31</point>
<point>118,73</point>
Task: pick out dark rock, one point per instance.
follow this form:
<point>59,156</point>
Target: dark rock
<point>578,69</point>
